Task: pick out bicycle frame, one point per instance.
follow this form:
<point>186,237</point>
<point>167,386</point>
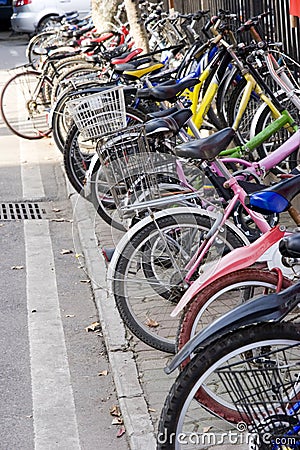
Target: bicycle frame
<point>240,258</point>
<point>282,118</point>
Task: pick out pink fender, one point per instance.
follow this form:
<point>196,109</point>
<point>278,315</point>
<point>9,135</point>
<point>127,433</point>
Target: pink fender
<point>237,259</point>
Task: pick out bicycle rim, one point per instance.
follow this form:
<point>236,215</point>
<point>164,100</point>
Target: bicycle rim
<point>222,296</point>
<point>25,113</point>
<point>149,276</point>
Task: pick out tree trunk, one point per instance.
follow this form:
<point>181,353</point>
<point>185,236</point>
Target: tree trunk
<point>103,13</point>
<point>137,29</point>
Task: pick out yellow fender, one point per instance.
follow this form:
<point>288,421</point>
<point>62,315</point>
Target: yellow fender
<point>138,73</point>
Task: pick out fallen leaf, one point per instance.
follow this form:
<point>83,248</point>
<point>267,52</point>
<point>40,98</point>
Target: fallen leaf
<point>56,210</point>
<point>103,373</point>
<point>115,411</point>
<point>152,410</point>
<point>17,267</point>
<point>95,326</point>
<point>85,281</point>
<point>120,432</point>
<point>78,255</point>
<point>61,220</point>
<point>70,315</point>
<point>117,421</point>
<point>66,252</point>
<point>151,323</point>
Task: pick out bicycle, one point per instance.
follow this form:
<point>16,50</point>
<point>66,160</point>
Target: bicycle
<point>284,119</point>
<point>243,368</point>
<point>170,264</point>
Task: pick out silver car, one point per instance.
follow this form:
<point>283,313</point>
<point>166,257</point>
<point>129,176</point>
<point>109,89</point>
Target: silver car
<point>31,15</point>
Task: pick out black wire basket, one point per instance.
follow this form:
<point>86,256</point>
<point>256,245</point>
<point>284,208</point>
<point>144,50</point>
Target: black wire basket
<point>264,386</point>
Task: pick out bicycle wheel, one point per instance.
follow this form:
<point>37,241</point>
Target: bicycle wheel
<point>109,213</point>
<point>61,120</point>
<point>77,157</point>
<point>146,298</point>
<point>35,43</point>
<point>243,132</point>
<point>224,92</point>
<point>24,110</point>
<point>78,154</point>
<point>221,296</point>
<point>70,79</point>
<point>257,348</point>
<point>279,137</point>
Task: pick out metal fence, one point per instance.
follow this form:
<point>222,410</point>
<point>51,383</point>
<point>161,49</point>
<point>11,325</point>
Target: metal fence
<point>279,26</point>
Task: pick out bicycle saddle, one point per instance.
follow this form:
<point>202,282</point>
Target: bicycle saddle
<point>128,56</point>
<point>167,91</point>
<point>275,199</point>
<point>115,52</point>
<point>68,16</point>
<point>138,73</point>
<point>206,148</point>
<point>290,246</point>
<point>171,123</point>
<point>132,65</point>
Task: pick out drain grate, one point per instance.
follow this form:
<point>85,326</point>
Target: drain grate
<point>21,211</point>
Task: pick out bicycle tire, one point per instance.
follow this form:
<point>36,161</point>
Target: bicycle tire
<point>37,42</point>
<point>77,156</point>
<point>60,86</point>
<point>130,283</point>
<point>58,66</point>
<point>61,121</point>
<point>226,87</point>
<point>278,138</point>
<point>243,131</point>
<point>176,413</point>
<point>221,296</point>
<point>24,116</point>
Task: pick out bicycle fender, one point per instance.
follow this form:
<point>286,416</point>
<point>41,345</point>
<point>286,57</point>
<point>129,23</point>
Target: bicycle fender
<point>239,258</point>
<point>267,308</point>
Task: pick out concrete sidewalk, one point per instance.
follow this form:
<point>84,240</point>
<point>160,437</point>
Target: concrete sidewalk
<point>137,369</point>
<point>141,383</point>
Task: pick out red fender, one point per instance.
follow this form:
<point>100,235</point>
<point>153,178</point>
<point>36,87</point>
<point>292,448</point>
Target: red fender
<point>103,37</point>
<point>128,57</point>
<point>237,259</point>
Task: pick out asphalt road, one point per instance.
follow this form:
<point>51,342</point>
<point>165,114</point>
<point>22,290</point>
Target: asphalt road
<point>51,393</point>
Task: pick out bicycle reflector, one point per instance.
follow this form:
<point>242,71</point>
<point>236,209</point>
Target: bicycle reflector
<point>267,202</point>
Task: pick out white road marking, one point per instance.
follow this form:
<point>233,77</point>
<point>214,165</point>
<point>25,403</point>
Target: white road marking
<point>54,416</point>
<point>30,169</point>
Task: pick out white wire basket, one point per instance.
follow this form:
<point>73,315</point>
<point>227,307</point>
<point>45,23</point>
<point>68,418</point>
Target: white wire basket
<point>99,114</point>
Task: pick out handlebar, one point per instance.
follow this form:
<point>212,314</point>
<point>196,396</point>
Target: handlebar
<point>252,22</point>
<point>194,16</point>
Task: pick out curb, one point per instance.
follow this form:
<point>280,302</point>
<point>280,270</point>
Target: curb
<point>133,406</point>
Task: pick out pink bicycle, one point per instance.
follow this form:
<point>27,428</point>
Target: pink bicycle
<point>159,260</point>
<point>245,273</point>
